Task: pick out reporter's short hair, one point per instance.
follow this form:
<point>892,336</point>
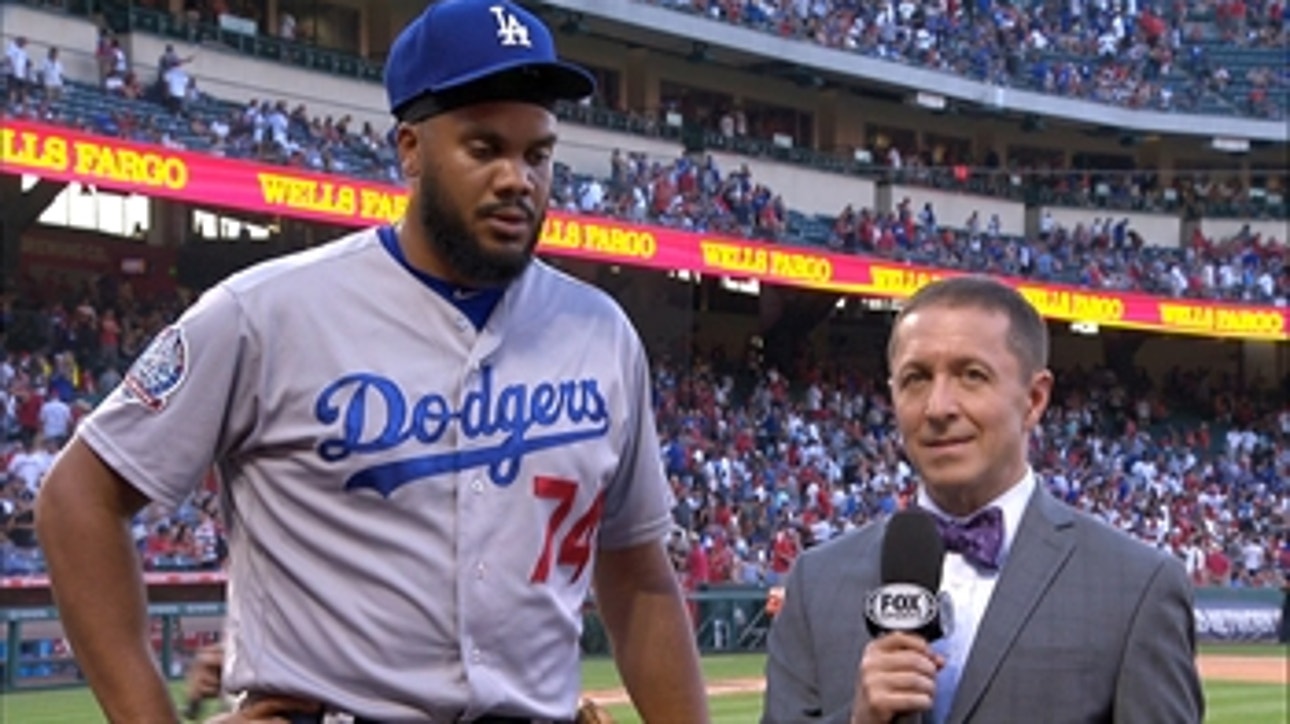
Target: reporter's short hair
<point>1027,332</point>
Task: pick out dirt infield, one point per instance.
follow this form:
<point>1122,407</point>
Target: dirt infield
<point>1249,669</point>
<point>723,687</point>
<point>1215,667</point>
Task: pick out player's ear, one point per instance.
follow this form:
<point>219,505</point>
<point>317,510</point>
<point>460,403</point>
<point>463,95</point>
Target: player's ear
<point>408,139</point>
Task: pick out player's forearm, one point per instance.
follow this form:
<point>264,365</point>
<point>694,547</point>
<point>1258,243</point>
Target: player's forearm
<point>101,601</point>
<point>659,663</point>
<point>653,644</point>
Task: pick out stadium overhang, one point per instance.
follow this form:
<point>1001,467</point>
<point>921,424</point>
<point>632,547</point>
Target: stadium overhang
<point>638,24</point>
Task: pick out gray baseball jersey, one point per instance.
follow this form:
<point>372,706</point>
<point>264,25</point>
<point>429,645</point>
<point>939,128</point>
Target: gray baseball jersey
<point>413,504</point>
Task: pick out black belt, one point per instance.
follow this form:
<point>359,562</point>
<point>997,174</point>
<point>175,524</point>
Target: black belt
<point>303,718</point>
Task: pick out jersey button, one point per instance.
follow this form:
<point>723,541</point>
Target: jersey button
<point>480,569</point>
<point>477,485</point>
<point>462,323</point>
<point>476,655</point>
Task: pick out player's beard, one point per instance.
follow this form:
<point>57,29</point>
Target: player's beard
<point>461,249</point>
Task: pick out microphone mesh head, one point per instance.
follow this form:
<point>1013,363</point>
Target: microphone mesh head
<point>912,550</point>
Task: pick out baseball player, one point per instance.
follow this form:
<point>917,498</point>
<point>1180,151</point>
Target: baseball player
<point>430,445</point>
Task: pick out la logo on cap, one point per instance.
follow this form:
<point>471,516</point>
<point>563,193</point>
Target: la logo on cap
<point>510,31</point>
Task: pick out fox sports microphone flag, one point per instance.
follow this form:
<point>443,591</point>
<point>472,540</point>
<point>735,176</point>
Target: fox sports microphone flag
<point>908,600</point>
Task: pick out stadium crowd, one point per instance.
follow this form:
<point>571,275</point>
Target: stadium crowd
<point>770,465</point>
<point>692,192</point>
<point>695,194</point>
<point>763,462</point>
<point>1121,53</point>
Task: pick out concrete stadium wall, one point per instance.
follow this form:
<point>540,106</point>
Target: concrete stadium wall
<point>953,209</point>
<point>1226,228</point>
<point>1155,229</point>
<point>226,74</point>
<point>75,39</point>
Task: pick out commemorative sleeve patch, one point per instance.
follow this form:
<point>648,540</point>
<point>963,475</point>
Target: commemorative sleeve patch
<point>159,371</point>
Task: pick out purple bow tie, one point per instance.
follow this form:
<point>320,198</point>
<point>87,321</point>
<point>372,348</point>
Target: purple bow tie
<point>978,539</point>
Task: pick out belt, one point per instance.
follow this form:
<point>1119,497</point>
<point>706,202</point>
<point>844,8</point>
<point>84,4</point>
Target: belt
<point>324,715</point>
<point>334,718</point>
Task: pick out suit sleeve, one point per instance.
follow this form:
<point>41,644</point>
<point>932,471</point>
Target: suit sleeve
<point>792,676</point>
<point>1158,681</point>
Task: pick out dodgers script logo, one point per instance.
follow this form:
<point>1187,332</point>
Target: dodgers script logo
<point>376,415</point>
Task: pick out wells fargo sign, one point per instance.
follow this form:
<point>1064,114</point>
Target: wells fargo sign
<point>68,155</point>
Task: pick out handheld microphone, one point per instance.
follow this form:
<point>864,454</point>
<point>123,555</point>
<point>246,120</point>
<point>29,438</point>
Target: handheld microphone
<point>908,599</point>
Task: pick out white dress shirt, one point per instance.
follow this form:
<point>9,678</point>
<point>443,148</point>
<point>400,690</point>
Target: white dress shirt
<point>969,589</point>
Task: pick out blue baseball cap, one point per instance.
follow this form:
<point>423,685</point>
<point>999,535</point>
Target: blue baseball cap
<point>462,51</point>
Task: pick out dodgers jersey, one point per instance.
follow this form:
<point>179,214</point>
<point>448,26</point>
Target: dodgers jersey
<point>412,504</point>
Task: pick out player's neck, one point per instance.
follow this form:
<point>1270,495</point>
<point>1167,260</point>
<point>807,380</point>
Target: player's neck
<point>414,247</point>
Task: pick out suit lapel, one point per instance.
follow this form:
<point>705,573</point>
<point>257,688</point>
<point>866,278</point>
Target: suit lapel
<point>1037,553</point>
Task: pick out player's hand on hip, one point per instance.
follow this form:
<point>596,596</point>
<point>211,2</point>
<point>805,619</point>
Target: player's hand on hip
<point>268,709</point>
<point>897,675</point>
<point>589,712</point>
<point>204,673</point>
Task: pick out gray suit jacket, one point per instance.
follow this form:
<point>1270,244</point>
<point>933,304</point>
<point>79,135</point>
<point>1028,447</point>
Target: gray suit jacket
<point>1085,625</point>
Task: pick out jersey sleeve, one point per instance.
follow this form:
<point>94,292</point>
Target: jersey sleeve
<point>638,502</point>
<point>185,401</point>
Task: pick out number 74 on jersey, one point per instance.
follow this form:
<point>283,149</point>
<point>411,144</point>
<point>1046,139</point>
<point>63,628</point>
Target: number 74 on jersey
<point>575,545</point>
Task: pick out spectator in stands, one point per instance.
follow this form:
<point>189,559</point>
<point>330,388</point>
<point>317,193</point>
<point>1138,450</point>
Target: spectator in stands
<point>118,66</point>
<point>52,76</point>
<point>17,524</point>
<point>30,463</point>
<point>30,398</point>
<point>170,59</point>
<point>174,85</point>
<point>17,70</point>
<point>287,26</point>
<point>104,55</point>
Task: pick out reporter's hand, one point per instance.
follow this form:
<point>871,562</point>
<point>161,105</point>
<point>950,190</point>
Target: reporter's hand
<point>897,675</point>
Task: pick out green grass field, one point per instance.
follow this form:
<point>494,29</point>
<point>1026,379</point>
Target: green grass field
<point>1228,703</point>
